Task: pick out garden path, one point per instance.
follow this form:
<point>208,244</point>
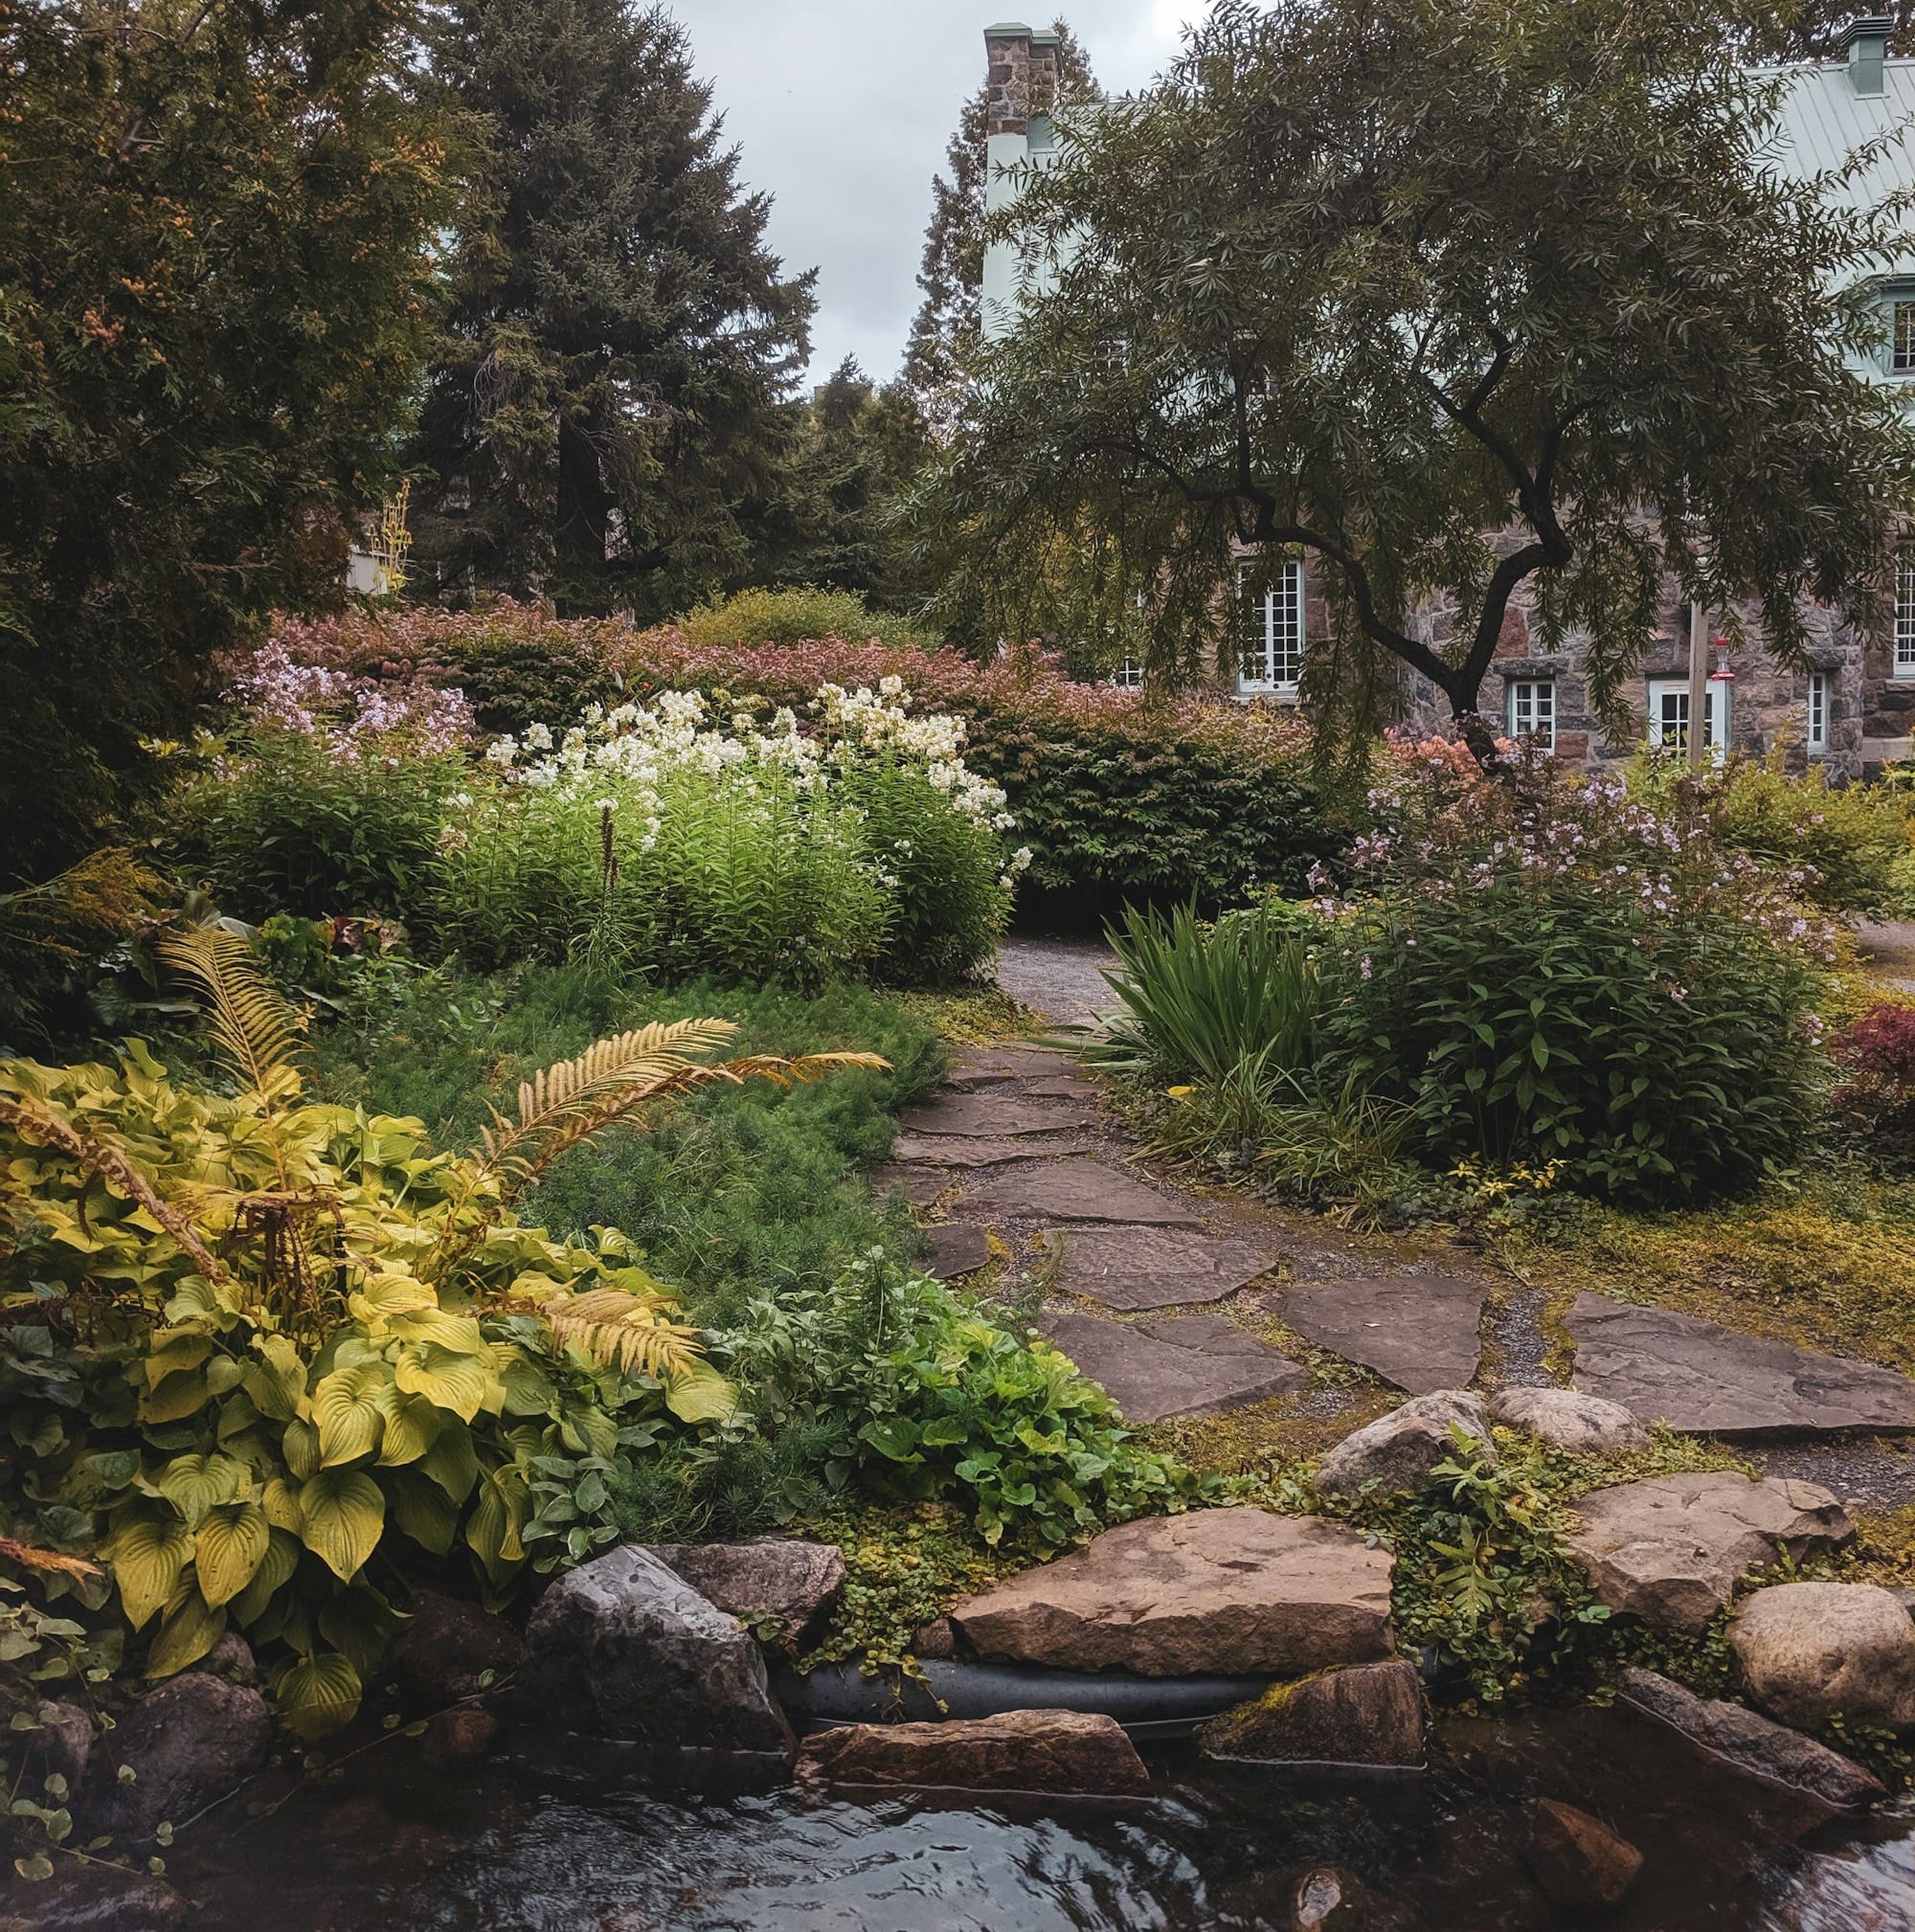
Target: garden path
<point>1888,949</point>
<point>1244,1329</point>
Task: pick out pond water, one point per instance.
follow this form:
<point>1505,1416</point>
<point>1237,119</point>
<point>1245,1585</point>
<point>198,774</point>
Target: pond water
<point>398,1848</point>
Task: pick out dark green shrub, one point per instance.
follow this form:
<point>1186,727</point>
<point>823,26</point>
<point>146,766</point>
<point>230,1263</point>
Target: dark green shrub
<point>1547,972</point>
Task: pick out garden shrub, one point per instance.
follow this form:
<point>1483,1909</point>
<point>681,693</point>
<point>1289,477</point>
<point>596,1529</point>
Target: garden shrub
<point>1877,1096</point>
<point>790,615</point>
<point>1118,795</point>
<point>283,1350</point>
<point>1547,972</point>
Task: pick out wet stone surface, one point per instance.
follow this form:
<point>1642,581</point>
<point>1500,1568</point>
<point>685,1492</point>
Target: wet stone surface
<point>1193,1364</point>
<point>1074,1190</point>
<point>1418,1331</point>
<point>958,1249</point>
<point>1139,1268</point>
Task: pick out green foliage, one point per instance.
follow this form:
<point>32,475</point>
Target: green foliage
<point>1200,1001</point>
<point>793,613</point>
<point>289,825</point>
<point>1543,316</point>
<point>1544,971</point>
<point>53,935</point>
<point>218,237</point>
<point>608,412</point>
<point>897,1386</point>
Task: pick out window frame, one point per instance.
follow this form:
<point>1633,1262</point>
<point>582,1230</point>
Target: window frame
<point>1817,739</point>
<point>1901,638</point>
<point>1263,596</point>
<point>1512,705</point>
<point>1129,676</point>
<point>1902,335</point>
<point>1716,710</point>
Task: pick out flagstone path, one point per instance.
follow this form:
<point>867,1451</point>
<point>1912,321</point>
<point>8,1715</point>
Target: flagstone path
<point>1191,1303</point>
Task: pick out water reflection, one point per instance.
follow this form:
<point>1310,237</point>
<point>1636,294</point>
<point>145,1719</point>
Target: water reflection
<point>411,1852</point>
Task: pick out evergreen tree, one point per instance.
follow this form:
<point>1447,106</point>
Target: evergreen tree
<point>857,450</point>
<point>215,289</point>
<point>938,360</point>
<point>622,344</point>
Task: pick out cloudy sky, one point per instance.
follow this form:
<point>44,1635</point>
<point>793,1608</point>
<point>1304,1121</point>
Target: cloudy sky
<point>842,109</point>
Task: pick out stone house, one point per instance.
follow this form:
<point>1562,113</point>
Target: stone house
<point>1854,709</point>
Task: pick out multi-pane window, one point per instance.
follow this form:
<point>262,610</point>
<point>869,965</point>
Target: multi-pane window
<point>1905,613</point>
<point>1532,710</point>
<point>1901,343</point>
<point>1669,714</point>
<point>1129,674</point>
<point>1818,710</point>
<point>1270,629</point>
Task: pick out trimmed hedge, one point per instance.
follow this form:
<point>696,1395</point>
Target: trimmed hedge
<point>1117,795</point>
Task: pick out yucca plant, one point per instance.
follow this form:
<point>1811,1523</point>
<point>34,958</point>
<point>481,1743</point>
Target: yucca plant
<point>1200,999</point>
<point>309,1339</point>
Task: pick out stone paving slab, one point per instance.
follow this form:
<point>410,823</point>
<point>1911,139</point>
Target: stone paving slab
<point>956,1248</point>
<point>1419,1330</point>
<point>1062,1086</point>
<point>982,1067</point>
<point>956,1149</point>
<point>994,1115</point>
<point>1073,1190</point>
<point>1132,1267</point>
<point>1699,1375</point>
<point>921,1185</point>
<point>1192,1365</point>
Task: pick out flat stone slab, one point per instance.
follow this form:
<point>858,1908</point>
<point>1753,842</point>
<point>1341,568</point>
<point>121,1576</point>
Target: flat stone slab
<point>1074,1190</point>
<point>1192,1365</point>
<point>1671,1549</point>
<point>1014,1751</point>
<point>979,1066</point>
<point>993,1114</point>
<point>921,1185</point>
<point>1418,1331</point>
<point>1132,1267</point>
<point>1230,1590</point>
<point>1062,1086</point>
<point>1700,1377</point>
<point>956,1248</point>
<point>956,1149</point>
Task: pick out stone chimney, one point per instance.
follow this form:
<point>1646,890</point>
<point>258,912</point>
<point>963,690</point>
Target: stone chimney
<point>1866,42</point>
<point>1021,76</point>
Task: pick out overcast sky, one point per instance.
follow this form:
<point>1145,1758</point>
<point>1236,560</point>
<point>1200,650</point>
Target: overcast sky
<point>842,109</point>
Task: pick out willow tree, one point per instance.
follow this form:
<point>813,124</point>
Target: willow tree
<point>1453,298</point>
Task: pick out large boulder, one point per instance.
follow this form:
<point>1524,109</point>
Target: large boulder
<point>451,1649</point>
<point>779,1581</point>
<point>1231,1590</point>
<point>1567,1420</point>
<point>94,1897</point>
<point>624,1648</point>
<point>1581,1864</point>
<point>1367,1714</point>
<point>1671,1549</point>
<point>1401,1450</point>
<point>1750,1744</point>
<point>193,1740</point>
<point>1056,1751</point>
<point>1812,1652</point>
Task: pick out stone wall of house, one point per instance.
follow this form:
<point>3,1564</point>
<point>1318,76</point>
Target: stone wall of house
<point>1019,78</point>
<point>1870,711</point>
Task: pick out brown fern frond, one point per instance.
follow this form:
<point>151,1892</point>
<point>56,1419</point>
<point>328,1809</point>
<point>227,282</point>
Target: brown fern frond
<point>49,1562</point>
<point>115,1167</point>
<point>621,1330</point>
<point>251,1023</point>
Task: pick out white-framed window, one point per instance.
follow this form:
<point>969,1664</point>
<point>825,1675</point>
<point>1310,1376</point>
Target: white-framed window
<point>1904,612</point>
<point>1270,629</point>
<point>1818,711</point>
<point>1669,715</point>
<point>1129,675</point>
<point>1901,340</point>
<point>1532,710</point>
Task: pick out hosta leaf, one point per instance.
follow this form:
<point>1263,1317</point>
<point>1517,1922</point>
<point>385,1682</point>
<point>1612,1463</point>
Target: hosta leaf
<point>492,1529</point>
<point>282,1504</point>
<point>319,1694</point>
<point>276,1569</point>
<point>281,1364</point>
<point>231,1544</point>
<point>180,1395</point>
<point>451,1462</point>
<point>194,1483</point>
<point>700,1394</point>
<point>424,1512</point>
<point>172,1351</point>
<point>348,1411</point>
<point>412,1426</point>
<point>300,1446</point>
<point>359,1623</point>
<point>189,1630</point>
<point>340,1514</point>
<point>147,1555</point>
<point>459,1382</point>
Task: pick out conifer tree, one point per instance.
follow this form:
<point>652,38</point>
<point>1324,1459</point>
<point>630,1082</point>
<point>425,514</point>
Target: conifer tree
<point>937,359</point>
<point>614,390</point>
